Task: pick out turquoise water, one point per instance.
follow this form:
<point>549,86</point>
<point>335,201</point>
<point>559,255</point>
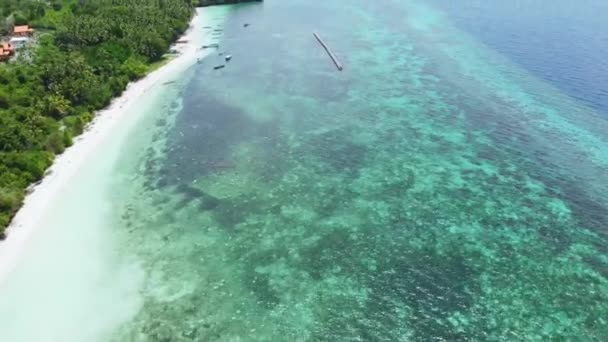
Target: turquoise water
<point>435,190</point>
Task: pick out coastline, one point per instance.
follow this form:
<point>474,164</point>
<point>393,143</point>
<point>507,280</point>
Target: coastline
<point>28,219</point>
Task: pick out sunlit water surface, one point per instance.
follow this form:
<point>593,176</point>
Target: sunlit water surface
<point>439,188</point>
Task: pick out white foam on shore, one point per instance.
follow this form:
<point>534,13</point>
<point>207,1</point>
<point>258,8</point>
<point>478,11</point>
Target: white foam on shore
<point>61,278</point>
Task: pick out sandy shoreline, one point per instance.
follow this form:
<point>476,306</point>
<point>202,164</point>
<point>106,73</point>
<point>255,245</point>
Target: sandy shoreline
<point>27,220</point>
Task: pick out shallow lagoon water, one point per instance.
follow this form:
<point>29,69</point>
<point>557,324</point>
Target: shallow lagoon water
<point>433,190</point>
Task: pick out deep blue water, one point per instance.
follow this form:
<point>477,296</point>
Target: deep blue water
<point>561,41</point>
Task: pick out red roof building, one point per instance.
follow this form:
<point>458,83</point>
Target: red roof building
<point>23,31</point>
<point>6,51</point>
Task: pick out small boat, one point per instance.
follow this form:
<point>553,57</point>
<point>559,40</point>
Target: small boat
<point>228,58</point>
<point>219,67</point>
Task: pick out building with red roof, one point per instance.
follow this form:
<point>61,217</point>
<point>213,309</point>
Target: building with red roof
<point>23,31</point>
<point>6,51</point>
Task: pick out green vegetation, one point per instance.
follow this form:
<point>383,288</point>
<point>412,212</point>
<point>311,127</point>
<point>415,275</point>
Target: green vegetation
<point>93,48</point>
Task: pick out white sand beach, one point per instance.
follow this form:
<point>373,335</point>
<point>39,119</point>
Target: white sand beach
<point>71,262</point>
<point>67,165</point>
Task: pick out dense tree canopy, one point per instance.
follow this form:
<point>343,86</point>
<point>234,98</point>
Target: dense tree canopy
<point>86,53</point>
